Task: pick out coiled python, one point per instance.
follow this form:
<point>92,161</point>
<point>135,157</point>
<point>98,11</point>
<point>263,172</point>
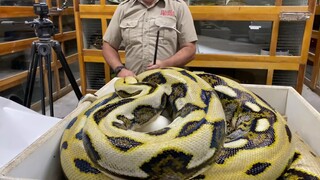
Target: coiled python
<point>218,130</point>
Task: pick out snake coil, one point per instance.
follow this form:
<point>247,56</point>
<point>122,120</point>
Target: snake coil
<point>218,130</point>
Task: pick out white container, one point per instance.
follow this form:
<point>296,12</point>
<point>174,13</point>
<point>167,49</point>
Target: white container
<point>19,128</point>
<point>41,159</point>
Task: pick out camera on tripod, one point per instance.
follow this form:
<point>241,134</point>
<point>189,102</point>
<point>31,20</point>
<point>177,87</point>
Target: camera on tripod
<point>41,50</point>
<point>43,26</point>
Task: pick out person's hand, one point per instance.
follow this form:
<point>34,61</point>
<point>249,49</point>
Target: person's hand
<point>125,72</point>
<point>159,64</point>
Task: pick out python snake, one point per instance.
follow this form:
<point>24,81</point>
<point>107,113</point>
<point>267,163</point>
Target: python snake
<point>218,130</point>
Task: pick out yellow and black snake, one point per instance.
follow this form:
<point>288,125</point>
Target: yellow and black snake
<point>218,130</point>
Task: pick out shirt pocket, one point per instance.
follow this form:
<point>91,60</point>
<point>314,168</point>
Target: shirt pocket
<point>167,28</point>
<point>129,30</point>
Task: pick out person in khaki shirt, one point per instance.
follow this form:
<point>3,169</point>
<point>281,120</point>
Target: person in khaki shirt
<point>135,24</point>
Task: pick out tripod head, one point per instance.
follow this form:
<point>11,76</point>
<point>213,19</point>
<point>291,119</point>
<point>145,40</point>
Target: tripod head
<point>43,26</point>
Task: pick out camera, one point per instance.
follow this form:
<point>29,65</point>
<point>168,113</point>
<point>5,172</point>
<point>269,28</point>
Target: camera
<point>43,26</point>
<point>41,9</point>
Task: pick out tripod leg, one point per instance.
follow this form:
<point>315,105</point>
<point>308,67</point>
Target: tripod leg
<point>31,76</point>
<point>57,48</point>
<point>42,87</point>
<point>49,73</point>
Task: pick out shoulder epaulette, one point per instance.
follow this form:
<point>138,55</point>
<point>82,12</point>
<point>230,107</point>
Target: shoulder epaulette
<point>124,1</point>
<point>178,1</point>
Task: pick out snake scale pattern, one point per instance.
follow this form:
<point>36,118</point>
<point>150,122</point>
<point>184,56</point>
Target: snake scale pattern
<point>217,130</point>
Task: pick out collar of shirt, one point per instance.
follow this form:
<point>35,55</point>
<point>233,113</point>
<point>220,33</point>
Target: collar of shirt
<point>152,5</point>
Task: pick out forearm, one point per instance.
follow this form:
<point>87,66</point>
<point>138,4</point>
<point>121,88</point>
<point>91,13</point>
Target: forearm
<point>182,57</point>
<point>111,55</point>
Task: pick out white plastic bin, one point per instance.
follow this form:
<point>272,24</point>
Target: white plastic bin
<point>41,159</point>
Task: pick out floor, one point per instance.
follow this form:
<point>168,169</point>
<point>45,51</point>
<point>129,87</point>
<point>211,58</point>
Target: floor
<point>63,106</point>
<point>67,103</point>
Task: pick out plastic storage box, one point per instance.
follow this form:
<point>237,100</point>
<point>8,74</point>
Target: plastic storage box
<point>41,159</point>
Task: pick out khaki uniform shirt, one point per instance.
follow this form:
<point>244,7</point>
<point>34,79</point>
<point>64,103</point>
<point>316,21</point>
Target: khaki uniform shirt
<point>136,25</point>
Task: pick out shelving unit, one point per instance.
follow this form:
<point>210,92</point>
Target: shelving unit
<point>15,46</point>
<point>284,25</point>
<point>313,64</point>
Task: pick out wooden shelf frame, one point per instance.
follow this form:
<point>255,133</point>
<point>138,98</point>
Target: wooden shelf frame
<point>314,81</point>
<point>235,13</point>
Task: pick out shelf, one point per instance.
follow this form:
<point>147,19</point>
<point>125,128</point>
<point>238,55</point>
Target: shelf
<point>315,34</point>
<point>231,50</point>
<point>311,56</point>
<point>16,12</point>
<point>312,79</point>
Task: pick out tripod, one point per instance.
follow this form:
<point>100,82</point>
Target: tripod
<point>42,50</point>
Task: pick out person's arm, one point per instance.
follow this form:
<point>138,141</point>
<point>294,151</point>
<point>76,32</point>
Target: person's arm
<point>181,58</point>
<point>112,57</point>
<point>111,41</point>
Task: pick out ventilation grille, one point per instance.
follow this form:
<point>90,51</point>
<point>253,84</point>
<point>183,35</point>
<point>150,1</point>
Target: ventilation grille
<point>285,78</point>
<point>294,2</point>
<point>95,75</point>
<point>309,67</point>
<point>290,36</point>
<point>92,33</point>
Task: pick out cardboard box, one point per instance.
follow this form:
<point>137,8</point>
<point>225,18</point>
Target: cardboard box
<point>41,159</point>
